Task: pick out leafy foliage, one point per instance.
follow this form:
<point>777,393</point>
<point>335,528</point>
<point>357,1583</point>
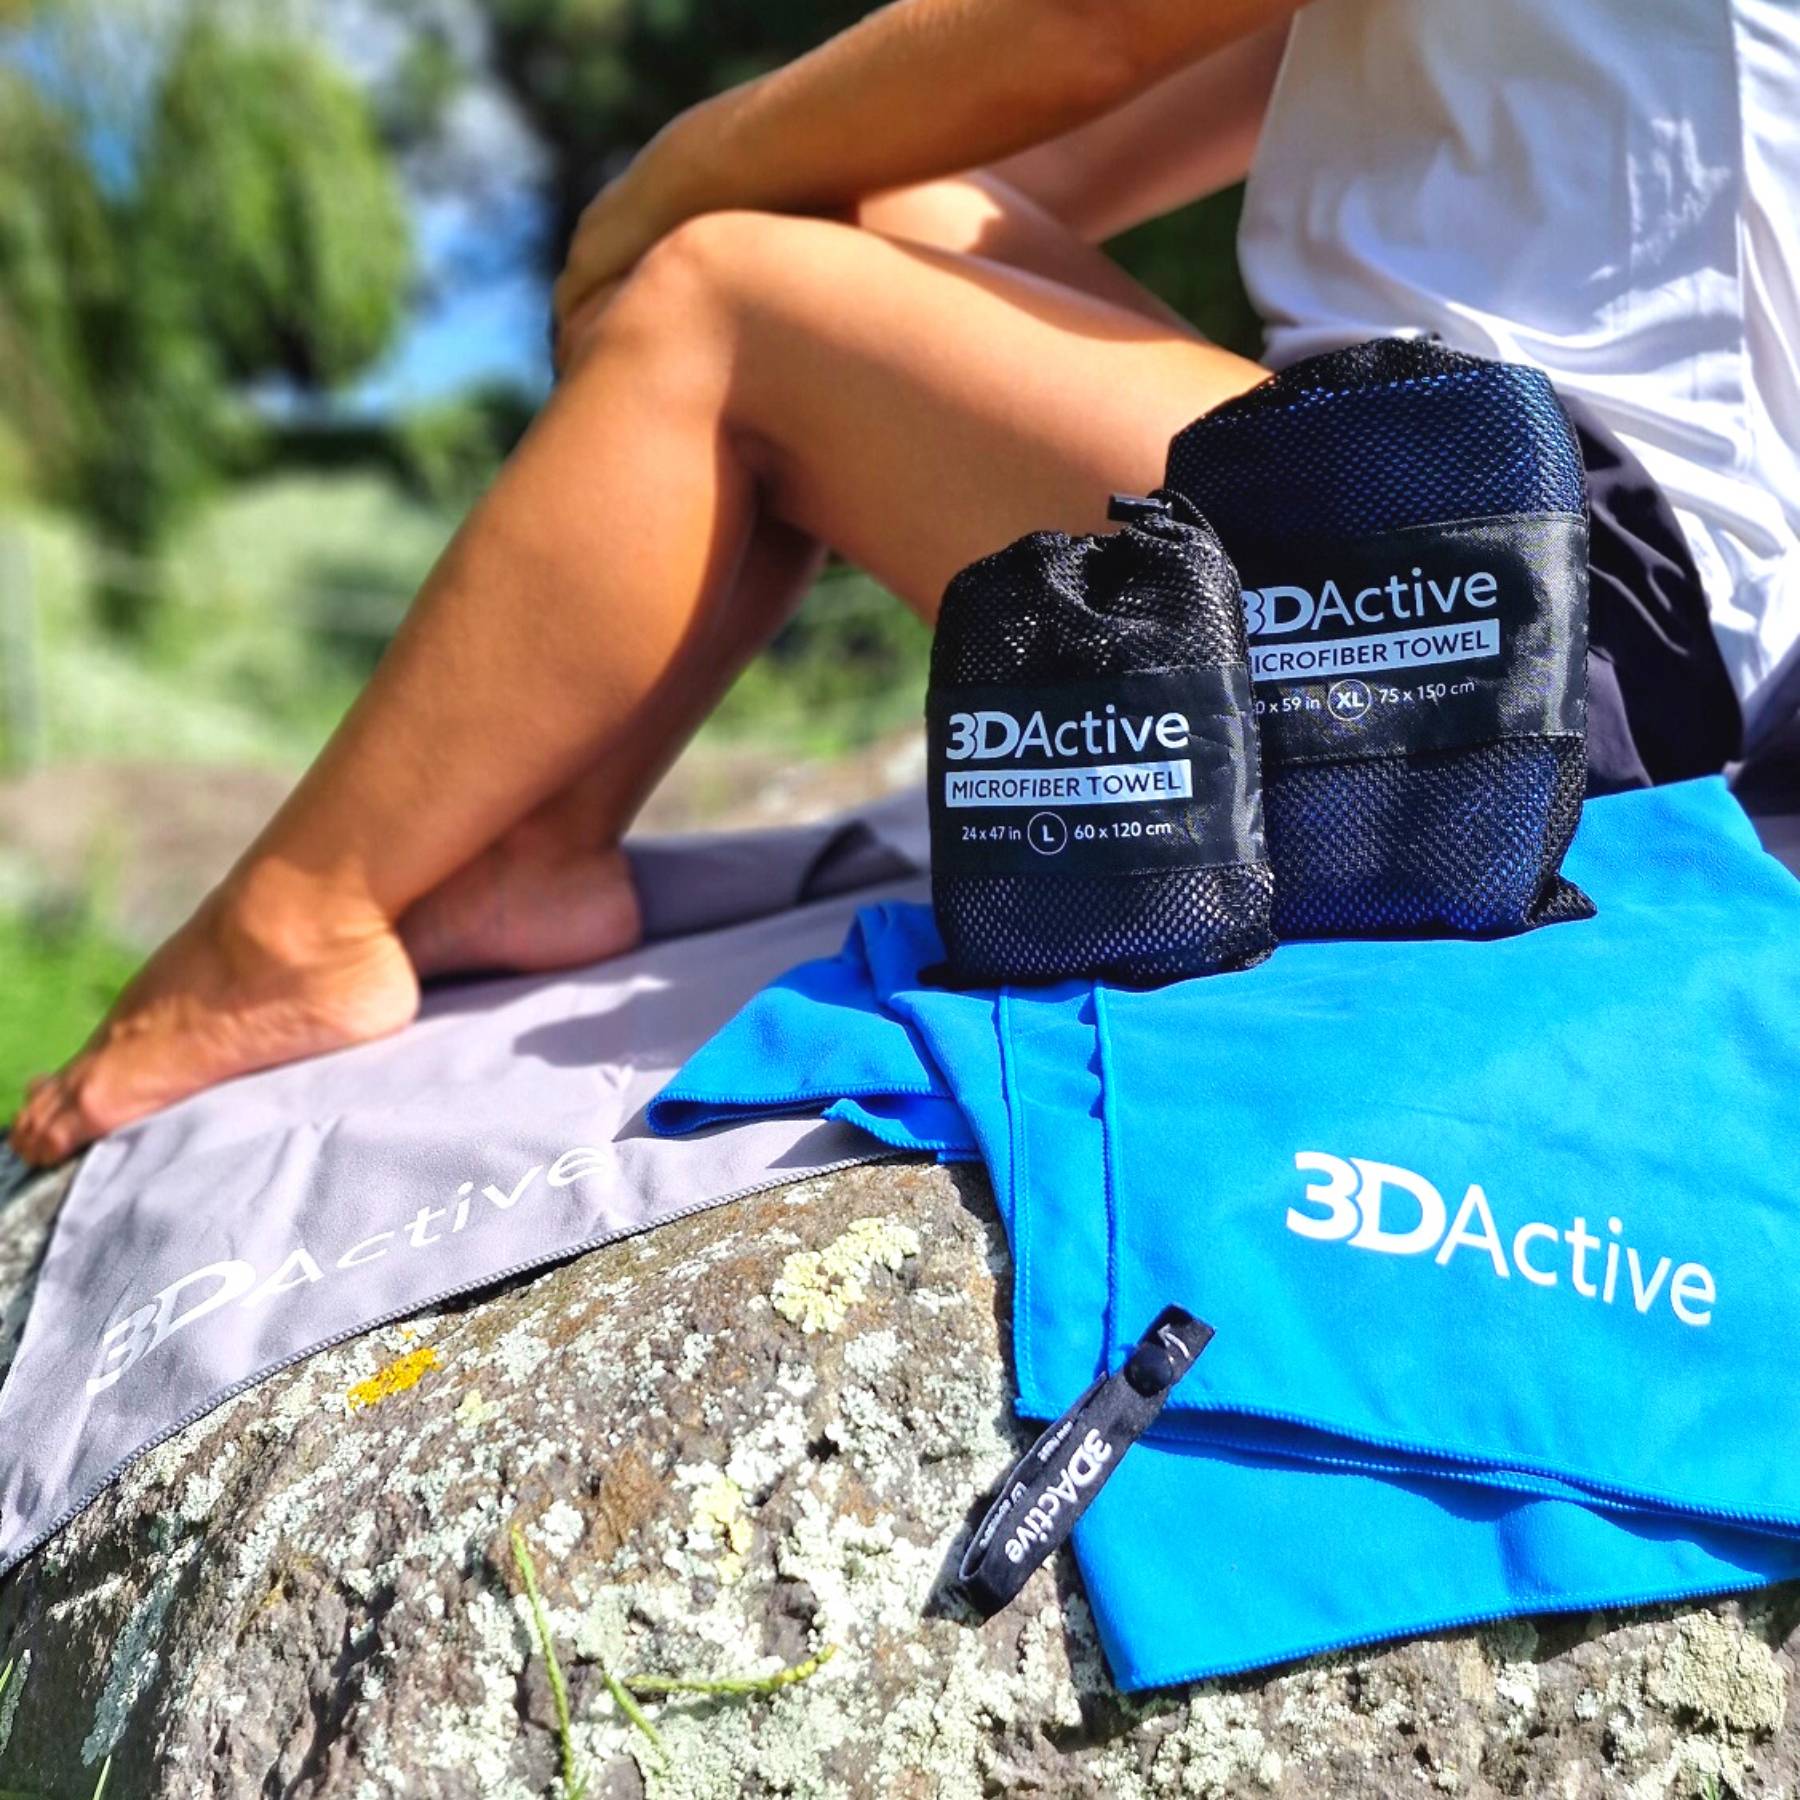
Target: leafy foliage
<point>598,78</point>
<point>288,203</point>
<point>243,221</point>
<point>848,668</point>
<point>61,974</point>
<point>60,277</point>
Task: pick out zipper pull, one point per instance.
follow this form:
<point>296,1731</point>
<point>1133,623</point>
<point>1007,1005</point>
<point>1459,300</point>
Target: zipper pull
<point>1137,509</point>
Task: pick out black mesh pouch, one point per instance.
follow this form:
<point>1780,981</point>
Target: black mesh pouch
<point>1094,775</point>
<point>1410,525</point>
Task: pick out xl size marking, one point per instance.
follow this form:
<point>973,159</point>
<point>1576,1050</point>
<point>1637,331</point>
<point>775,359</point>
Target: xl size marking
<point>1350,700</point>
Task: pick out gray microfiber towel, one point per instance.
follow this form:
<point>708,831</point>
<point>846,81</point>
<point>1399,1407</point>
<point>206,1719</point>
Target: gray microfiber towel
<point>211,1244</point>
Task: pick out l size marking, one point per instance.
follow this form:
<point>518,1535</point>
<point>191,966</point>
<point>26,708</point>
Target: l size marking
<point>1121,829</point>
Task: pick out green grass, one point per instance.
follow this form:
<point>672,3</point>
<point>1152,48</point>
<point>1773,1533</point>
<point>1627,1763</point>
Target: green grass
<point>574,1777</point>
<point>254,630</point>
<point>850,667</point>
<point>59,974</point>
<point>6,1675</point>
<point>731,1684</point>
<point>626,1689</point>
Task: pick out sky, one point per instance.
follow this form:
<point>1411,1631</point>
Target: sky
<point>483,307</point>
<point>482,317</point>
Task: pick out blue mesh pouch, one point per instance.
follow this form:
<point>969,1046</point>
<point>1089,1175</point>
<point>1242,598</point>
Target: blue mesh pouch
<point>1410,526</point>
<point>1095,792</point>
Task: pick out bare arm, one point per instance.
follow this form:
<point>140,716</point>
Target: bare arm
<point>1190,135</point>
<point>919,88</point>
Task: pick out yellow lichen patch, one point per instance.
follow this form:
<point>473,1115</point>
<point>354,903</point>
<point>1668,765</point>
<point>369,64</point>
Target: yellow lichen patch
<point>817,1288</point>
<point>394,1378</point>
<point>1717,1671</point>
<point>720,1524</point>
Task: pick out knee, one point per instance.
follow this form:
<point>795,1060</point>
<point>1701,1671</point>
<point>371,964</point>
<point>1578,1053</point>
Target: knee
<point>708,258</point>
<point>686,284</point>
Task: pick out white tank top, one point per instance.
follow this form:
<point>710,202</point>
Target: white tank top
<point>1609,189</point>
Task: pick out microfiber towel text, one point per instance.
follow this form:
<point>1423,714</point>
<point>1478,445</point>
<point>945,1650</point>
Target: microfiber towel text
<point>1497,1239</point>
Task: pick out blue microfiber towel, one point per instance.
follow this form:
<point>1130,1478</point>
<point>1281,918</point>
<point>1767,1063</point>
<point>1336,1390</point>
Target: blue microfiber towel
<point>1495,1237</point>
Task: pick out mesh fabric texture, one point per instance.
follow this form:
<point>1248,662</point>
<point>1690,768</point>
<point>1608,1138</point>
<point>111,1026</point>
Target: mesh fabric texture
<point>1381,437</point>
<point>1049,608</point>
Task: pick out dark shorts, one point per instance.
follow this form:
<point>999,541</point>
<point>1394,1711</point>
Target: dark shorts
<point>1660,705</point>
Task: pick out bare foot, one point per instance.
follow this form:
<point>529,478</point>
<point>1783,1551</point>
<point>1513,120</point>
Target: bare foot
<point>264,973</point>
<point>530,902</point>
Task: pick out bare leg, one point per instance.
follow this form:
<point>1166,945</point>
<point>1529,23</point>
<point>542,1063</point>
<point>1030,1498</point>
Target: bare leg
<point>554,890</point>
<point>912,407</point>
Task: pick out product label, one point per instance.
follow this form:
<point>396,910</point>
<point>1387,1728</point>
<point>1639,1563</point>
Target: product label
<point>1428,639</point>
<point>1125,772</point>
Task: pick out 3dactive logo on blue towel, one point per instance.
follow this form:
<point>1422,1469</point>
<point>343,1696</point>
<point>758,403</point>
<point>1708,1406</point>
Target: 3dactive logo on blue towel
<point>1350,1200</point>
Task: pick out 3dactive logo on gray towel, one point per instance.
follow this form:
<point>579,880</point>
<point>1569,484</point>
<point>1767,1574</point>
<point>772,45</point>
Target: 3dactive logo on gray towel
<point>198,1295</point>
<point>1347,1207</point>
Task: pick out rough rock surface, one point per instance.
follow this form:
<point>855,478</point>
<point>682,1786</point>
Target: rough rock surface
<point>310,1593</point>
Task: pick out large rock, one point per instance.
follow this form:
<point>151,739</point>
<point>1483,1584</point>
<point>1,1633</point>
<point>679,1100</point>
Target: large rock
<point>310,1593</point>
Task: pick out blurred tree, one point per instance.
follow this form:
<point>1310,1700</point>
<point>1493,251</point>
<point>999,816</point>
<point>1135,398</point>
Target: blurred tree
<point>58,262</point>
<point>264,168</point>
<point>595,79</point>
<point>232,217</point>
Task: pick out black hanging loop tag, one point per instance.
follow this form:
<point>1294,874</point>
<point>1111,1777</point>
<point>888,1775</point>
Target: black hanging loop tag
<point>1055,1481</point>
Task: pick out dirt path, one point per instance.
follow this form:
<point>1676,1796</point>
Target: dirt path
<point>148,839</point>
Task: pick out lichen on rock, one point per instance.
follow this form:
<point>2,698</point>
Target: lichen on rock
<point>817,1288</point>
<point>286,1599</point>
